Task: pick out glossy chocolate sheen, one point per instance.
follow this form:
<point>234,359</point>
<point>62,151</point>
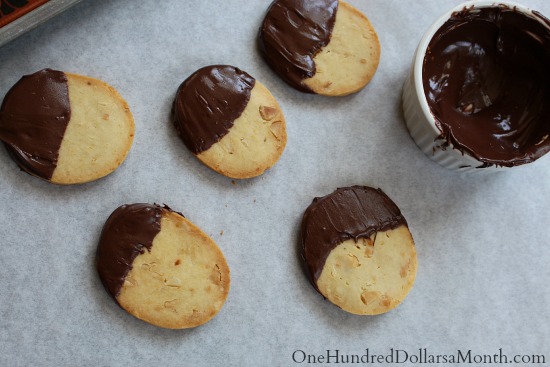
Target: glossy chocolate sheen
<point>129,232</point>
<point>486,77</point>
<point>208,103</point>
<point>348,213</point>
<point>292,33</point>
<point>33,119</point>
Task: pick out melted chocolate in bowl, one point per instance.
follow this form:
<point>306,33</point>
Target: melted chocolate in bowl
<point>486,77</point>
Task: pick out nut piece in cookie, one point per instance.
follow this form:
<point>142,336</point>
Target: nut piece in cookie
<point>161,268</point>
<point>65,128</point>
<point>320,46</point>
<point>230,121</point>
<point>358,250</point>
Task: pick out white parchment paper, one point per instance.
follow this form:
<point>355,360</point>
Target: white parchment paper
<point>483,241</point>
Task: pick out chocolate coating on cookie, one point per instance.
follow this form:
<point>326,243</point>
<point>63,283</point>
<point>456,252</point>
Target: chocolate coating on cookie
<point>348,213</point>
<point>292,32</point>
<point>129,232</point>
<point>33,119</point>
<point>486,77</point>
<point>208,102</point>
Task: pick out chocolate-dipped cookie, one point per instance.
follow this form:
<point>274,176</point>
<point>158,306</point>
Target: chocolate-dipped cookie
<point>358,250</point>
<point>230,121</point>
<point>160,267</point>
<point>320,46</point>
<point>65,128</point>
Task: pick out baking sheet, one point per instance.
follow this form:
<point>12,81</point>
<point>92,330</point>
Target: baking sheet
<point>22,16</point>
<point>482,240</point>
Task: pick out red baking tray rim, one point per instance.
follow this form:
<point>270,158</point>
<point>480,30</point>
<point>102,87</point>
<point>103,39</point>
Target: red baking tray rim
<point>9,11</point>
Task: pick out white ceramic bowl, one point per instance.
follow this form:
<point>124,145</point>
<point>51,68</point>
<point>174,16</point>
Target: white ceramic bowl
<point>418,117</point>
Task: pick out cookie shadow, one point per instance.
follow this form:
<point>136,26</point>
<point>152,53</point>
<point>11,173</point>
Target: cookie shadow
<point>20,182</point>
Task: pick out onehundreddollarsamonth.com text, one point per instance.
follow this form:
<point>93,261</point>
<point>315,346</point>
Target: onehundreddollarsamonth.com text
<point>419,356</point>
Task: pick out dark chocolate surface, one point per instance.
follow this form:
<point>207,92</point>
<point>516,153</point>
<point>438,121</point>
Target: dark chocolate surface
<point>208,102</point>
<point>33,119</point>
<point>128,232</point>
<point>486,77</point>
<point>348,213</point>
<point>292,32</point>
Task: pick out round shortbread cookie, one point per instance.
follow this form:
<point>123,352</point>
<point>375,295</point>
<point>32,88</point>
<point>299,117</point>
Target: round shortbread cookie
<point>161,268</point>
<point>326,47</point>
<point>358,250</point>
<point>65,128</point>
<point>230,121</point>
